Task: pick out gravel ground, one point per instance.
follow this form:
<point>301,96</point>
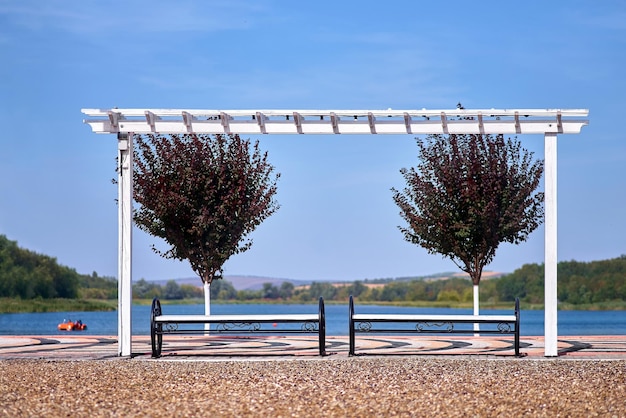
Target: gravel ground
<point>358,386</point>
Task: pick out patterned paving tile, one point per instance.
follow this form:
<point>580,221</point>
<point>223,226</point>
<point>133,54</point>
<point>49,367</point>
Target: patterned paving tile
<point>76,347</point>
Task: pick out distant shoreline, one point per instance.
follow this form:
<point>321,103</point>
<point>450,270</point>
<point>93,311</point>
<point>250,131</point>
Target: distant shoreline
<point>11,305</point>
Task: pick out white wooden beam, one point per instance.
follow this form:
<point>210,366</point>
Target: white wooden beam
<point>297,120</point>
<point>188,121</point>
<point>151,120</point>
<point>260,118</point>
<point>137,112</point>
<point>334,122</point>
<point>407,122</point>
<point>371,121</point>
<point>113,119</point>
<point>444,123</point>
<point>225,121</point>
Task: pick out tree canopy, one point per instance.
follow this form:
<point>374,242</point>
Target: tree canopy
<point>468,194</point>
<point>203,195</point>
<point>27,275</point>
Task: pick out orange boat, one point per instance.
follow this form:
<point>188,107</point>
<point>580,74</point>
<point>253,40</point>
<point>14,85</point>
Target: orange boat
<point>69,325</point>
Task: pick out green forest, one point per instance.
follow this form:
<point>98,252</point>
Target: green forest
<point>36,282</point>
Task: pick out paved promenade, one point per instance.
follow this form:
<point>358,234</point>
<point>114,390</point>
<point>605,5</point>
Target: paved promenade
<point>75,346</point>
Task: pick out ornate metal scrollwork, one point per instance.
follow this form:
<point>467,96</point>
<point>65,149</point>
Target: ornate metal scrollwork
<point>419,327</point>
<point>364,326</point>
<point>504,327</point>
<point>244,326</point>
<point>171,327</point>
<point>309,326</point>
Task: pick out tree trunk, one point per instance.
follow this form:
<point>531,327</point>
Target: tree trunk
<point>207,305</point>
<point>476,309</point>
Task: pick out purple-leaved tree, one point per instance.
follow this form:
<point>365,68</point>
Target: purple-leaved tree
<point>468,194</point>
<point>203,195</point>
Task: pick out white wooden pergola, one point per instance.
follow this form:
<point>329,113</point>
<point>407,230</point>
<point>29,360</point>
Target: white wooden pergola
<point>126,122</point>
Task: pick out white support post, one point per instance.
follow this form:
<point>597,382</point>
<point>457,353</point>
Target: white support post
<point>125,214</point>
<point>550,275</point>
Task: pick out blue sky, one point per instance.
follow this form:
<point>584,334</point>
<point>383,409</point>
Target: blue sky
<point>337,219</point>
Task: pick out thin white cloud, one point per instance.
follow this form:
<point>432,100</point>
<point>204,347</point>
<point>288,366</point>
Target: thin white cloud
<point>394,70</point>
<point>106,18</point>
<point>397,76</point>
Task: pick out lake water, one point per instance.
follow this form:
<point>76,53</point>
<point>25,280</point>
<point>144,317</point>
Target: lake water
<point>105,323</point>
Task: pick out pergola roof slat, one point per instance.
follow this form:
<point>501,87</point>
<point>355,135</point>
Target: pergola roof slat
<point>328,122</point>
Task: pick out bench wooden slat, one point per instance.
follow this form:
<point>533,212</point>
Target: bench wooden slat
<point>433,318</point>
<point>216,319</point>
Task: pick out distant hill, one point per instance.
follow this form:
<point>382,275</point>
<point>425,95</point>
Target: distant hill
<point>256,282</point>
<point>240,282</point>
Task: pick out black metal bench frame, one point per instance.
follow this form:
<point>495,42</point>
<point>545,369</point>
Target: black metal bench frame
<point>234,324</point>
<point>434,324</point>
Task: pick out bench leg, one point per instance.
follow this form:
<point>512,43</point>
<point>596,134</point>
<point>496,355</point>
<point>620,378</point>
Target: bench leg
<point>322,340</point>
<point>156,339</point>
<point>322,328</point>
<point>351,326</point>
<point>517,322</point>
<point>156,329</point>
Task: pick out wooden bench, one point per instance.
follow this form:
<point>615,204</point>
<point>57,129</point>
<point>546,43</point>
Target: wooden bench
<point>234,324</point>
<point>434,324</point>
